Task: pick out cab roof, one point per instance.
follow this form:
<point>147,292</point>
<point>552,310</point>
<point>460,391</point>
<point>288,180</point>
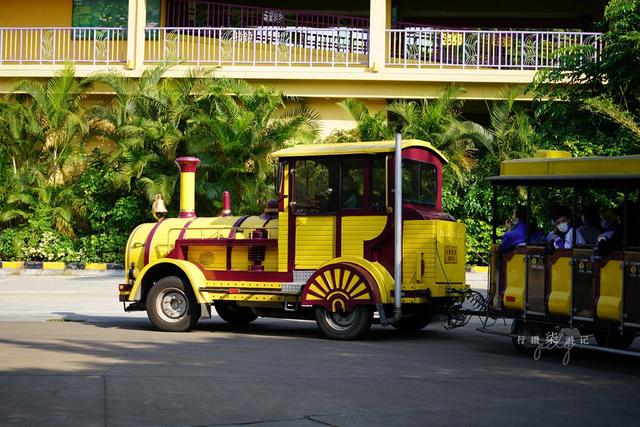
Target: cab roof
<point>559,167</point>
<point>350,148</point>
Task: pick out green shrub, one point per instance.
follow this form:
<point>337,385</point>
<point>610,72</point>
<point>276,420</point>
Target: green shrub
<point>48,246</point>
<point>11,243</point>
<point>478,241</point>
<point>102,247</point>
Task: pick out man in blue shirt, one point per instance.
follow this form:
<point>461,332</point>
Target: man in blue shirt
<point>517,236</point>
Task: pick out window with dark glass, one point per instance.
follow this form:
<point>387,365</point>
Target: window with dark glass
<point>314,186</point>
<point>378,183</point>
<point>351,183</point>
<point>419,182</point>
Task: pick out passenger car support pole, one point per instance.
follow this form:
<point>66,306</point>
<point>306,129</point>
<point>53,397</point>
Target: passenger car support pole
<point>397,212</point>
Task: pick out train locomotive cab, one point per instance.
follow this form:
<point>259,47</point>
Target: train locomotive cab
<point>323,251</point>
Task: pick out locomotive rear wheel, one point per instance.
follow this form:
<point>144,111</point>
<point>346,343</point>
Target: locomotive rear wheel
<point>232,313</point>
<point>171,306</point>
<point>344,326</point>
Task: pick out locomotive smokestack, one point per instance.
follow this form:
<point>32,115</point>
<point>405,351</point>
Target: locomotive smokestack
<point>226,204</point>
<point>187,166</point>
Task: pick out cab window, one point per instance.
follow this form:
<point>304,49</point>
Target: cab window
<point>378,183</point>
<point>419,182</point>
<point>352,183</point>
<point>314,186</point>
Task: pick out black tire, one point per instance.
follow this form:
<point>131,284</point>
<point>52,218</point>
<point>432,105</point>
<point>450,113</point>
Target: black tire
<point>171,305</point>
<point>413,322</point>
<point>526,331</point>
<point>614,340</point>
<point>345,326</point>
<point>232,313</point>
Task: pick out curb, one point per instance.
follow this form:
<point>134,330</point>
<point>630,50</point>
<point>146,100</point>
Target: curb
<point>36,268</point>
<point>477,269</point>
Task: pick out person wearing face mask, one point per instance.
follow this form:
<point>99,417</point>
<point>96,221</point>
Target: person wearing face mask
<point>561,237</point>
<point>610,239</point>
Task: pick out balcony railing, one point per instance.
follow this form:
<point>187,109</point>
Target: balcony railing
<point>57,45</point>
<point>258,46</point>
<point>523,50</point>
<point>207,13</point>
<point>298,46</point>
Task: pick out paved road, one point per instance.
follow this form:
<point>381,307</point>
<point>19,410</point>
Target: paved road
<point>111,368</point>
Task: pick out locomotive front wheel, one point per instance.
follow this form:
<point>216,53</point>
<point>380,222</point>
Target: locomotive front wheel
<point>171,306</point>
<point>232,313</point>
<point>344,326</point>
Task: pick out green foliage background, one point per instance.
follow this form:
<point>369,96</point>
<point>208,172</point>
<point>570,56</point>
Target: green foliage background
<point>62,200</point>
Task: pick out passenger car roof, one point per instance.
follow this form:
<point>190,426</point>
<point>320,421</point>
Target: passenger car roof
<point>576,169</point>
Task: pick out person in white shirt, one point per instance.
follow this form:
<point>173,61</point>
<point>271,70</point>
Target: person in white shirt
<point>561,237</point>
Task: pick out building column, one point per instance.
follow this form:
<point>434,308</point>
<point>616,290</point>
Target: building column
<point>379,22</point>
<point>137,20</point>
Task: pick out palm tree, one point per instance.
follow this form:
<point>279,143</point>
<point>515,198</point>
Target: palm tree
<point>229,125</point>
<point>513,134</point>
<point>65,206</point>
<point>146,119</point>
<point>16,197</point>
<point>234,132</point>
<point>439,122</point>
<point>55,114</point>
<point>15,140</point>
<point>369,126</point>
<point>606,107</point>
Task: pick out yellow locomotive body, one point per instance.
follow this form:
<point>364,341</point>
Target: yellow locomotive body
<point>323,250</point>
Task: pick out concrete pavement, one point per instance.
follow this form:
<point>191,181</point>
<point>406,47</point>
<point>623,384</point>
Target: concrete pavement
<point>112,369</point>
<point>27,298</point>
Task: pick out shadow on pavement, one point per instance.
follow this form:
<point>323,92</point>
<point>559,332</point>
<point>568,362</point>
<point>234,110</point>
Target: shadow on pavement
<point>484,346</point>
<point>261,327</point>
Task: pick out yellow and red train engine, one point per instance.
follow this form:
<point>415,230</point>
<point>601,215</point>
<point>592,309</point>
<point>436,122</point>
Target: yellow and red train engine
<point>337,245</point>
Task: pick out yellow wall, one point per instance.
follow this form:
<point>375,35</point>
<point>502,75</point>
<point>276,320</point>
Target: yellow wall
<point>36,13</point>
<point>334,117</point>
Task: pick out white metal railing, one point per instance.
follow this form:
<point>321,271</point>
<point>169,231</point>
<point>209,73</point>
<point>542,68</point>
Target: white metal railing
<point>208,13</point>
<point>50,45</point>
<point>523,50</point>
<point>279,46</point>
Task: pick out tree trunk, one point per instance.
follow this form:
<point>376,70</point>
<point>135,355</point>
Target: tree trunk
<point>15,167</point>
<point>55,165</point>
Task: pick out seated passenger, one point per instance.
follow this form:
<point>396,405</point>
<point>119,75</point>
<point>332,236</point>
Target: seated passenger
<point>587,233</point>
<point>517,235</point>
<point>536,235</point>
<point>351,193</point>
<point>561,237</point>
<point>610,239</point>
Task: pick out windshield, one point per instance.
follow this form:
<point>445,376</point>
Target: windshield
<point>419,182</point>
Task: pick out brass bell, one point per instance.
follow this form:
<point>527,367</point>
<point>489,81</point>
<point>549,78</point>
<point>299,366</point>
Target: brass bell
<point>158,208</point>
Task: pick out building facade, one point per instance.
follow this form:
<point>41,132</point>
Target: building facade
<point>373,50</point>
